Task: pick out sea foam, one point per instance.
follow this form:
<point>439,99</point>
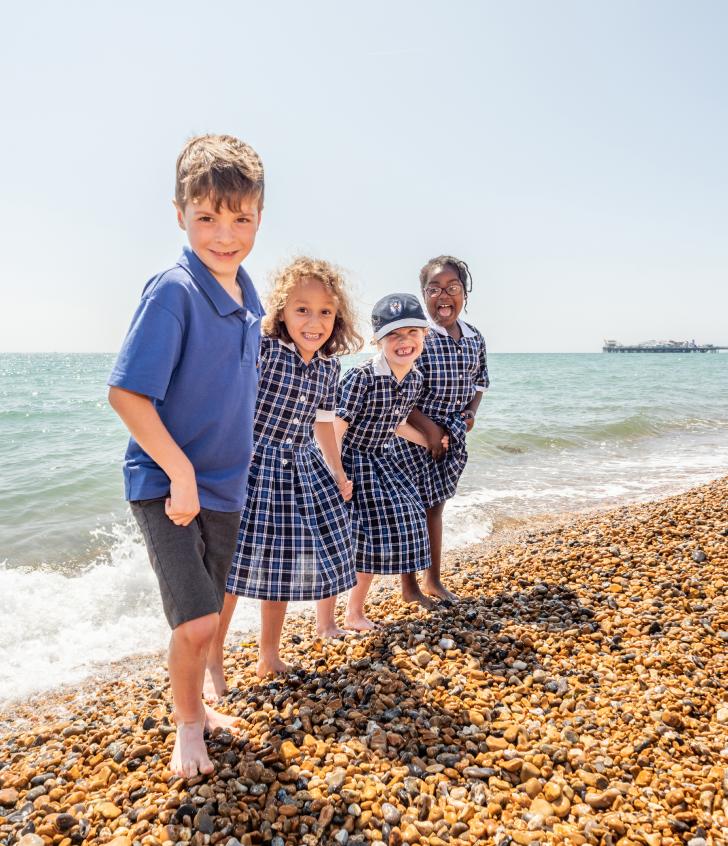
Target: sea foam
<point>58,628</point>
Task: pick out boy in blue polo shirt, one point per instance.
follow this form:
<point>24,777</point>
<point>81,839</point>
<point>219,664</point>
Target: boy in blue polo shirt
<point>184,383</point>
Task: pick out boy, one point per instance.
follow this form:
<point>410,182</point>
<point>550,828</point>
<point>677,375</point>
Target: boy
<point>184,383</point>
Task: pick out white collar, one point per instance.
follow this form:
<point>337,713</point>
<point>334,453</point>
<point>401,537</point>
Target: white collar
<point>289,345</point>
<point>380,365</point>
<point>465,330</point>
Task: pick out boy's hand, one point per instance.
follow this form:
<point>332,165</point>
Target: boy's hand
<point>346,487</point>
<point>183,503</point>
<point>445,441</point>
<point>435,437</point>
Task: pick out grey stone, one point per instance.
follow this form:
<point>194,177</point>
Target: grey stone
<point>391,814</point>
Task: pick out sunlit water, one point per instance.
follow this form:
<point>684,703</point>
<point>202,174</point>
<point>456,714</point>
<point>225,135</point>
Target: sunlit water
<point>555,433</point>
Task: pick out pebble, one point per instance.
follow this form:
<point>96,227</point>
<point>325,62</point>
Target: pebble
<point>108,810</point>
<point>8,797</point>
<point>390,814</point>
<point>578,694</point>
<point>203,822</point>
<point>601,801</point>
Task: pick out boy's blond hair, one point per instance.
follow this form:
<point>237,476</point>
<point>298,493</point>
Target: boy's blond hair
<point>344,339</point>
<point>221,167</point>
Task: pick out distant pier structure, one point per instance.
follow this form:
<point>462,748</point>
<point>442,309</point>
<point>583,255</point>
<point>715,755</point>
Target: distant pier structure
<point>660,347</point>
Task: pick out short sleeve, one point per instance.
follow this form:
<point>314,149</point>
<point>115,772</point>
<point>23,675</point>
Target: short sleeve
<point>351,395</point>
<point>150,351</point>
<point>327,403</point>
<point>266,348</point>
<point>482,380</point>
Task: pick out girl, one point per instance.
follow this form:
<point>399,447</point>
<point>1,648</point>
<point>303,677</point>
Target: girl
<point>295,535</point>
<point>455,371</point>
<point>374,399</point>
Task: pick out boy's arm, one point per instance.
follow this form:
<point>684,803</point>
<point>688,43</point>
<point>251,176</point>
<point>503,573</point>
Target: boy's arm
<point>325,435</point>
<point>432,432</point>
<point>143,422</point>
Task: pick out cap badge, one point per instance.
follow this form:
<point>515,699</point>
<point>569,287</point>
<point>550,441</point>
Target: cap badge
<point>395,306</point>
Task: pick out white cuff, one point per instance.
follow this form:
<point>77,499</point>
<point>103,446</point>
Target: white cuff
<point>480,389</point>
<point>325,416</point>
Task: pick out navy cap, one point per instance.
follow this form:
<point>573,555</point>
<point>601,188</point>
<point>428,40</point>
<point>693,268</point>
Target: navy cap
<point>395,311</point>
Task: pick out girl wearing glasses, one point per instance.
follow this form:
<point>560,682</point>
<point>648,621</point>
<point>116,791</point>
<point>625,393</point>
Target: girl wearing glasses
<point>454,366</point>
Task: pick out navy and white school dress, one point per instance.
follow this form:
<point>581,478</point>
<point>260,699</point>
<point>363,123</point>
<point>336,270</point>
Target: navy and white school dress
<point>389,527</point>
<point>295,534</point>
<point>453,371</point>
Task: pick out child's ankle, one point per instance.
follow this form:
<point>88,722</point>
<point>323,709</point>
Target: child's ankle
<point>184,719</point>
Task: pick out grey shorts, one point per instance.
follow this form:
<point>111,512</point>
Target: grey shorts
<point>191,562</point>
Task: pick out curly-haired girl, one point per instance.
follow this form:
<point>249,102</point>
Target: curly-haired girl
<point>295,535</point>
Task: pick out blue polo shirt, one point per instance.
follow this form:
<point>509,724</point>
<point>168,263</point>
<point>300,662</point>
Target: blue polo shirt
<point>193,351</point>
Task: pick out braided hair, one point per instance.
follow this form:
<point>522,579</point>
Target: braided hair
<point>437,264</point>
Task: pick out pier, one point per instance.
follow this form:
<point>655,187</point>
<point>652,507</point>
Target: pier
<point>660,347</point>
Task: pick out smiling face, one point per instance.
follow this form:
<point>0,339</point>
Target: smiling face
<point>221,239</point>
<point>309,315</point>
<point>444,308</point>
<point>402,348</point>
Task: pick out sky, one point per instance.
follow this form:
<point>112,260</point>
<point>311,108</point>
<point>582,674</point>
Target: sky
<point>574,154</point>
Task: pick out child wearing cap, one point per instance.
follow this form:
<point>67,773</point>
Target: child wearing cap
<point>374,399</point>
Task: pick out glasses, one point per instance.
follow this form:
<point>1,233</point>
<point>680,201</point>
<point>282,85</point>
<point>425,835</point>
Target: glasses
<point>453,290</point>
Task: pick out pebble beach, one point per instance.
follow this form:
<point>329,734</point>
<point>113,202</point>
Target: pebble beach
<point>577,694</point>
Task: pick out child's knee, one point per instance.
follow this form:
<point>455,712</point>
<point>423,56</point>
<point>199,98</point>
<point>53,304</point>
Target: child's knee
<point>197,633</point>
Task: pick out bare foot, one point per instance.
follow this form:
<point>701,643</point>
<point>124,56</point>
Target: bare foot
<point>271,667</point>
<point>330,631</point>
<point>439,590</point>
<point>214,719</point>
<point>214,687</point>
<point>359,623</point>
<point>189,755</point>
<point>417,597</point>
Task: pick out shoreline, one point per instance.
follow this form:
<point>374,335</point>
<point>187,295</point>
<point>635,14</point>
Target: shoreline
<point>577,694</point>
<point>57,700</point>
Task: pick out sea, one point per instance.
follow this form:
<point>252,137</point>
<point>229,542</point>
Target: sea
<point>555,433</point>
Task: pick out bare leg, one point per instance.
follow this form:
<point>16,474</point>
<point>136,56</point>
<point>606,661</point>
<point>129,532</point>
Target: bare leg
<point>215,685</point>
<point>272,615</point>
<point>411,591</point>
<point>431,582</point>
<point>355,617</point>
<point>188,648</point>
<point>326,619</point>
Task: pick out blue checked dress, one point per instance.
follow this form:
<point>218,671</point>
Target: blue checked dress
<point>453,371</point>
<point>295,534</point>
<point>389,528</point>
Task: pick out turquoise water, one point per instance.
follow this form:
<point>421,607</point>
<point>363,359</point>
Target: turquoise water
<point>555,433</point>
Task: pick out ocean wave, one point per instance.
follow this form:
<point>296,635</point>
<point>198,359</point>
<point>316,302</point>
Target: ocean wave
<point>635,427</point>
<point>58,627</point>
